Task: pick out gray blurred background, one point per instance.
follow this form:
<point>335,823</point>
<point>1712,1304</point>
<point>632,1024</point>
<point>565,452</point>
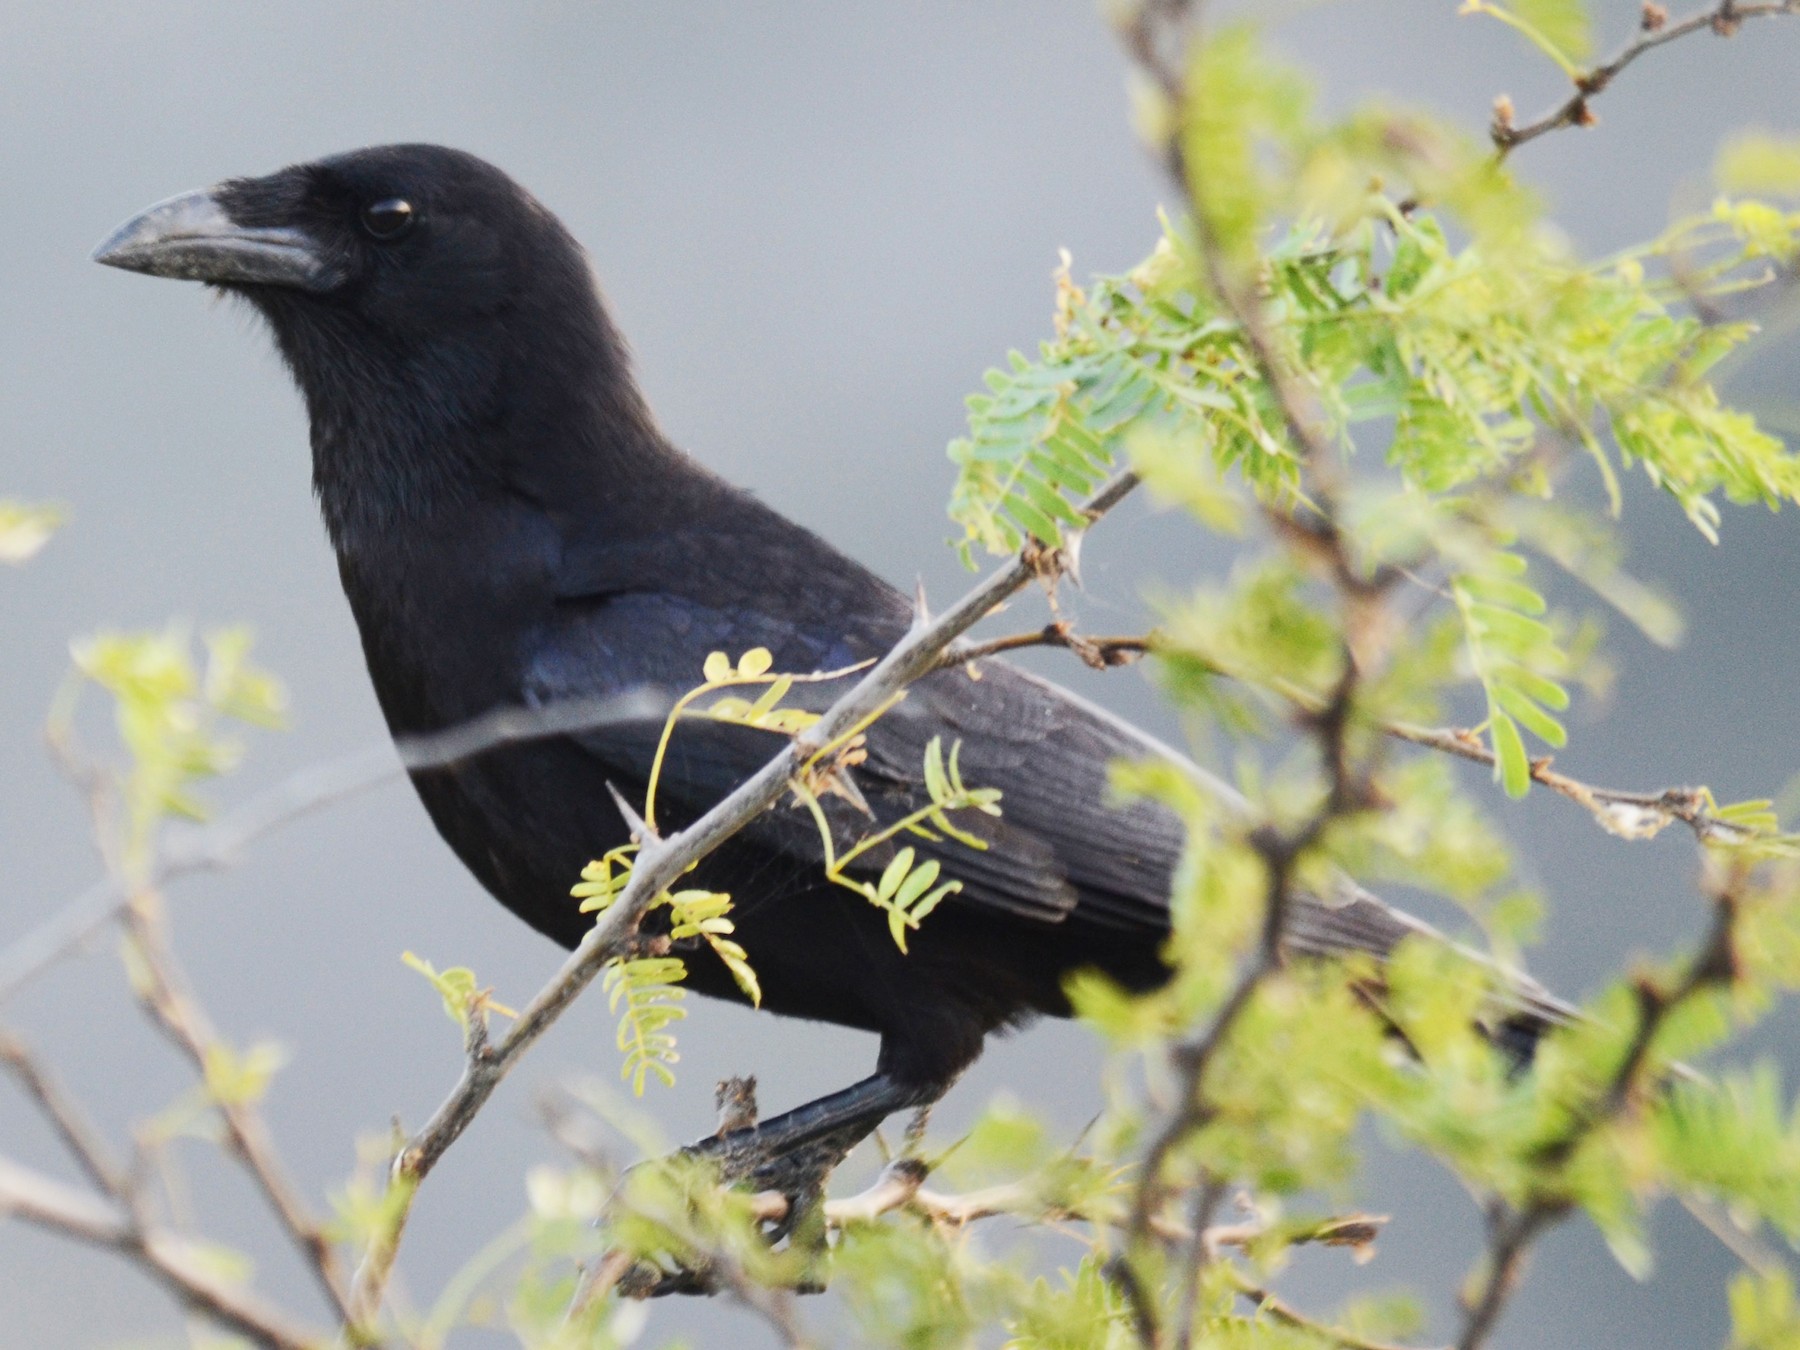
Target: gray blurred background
<point>818,224</point>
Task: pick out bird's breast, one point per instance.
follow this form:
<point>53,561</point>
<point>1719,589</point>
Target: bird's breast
<point>443,608</point>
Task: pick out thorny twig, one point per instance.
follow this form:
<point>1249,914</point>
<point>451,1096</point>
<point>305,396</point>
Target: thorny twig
<point>1654,30</point>
<point>1097,652</point>
<point>165,998</point>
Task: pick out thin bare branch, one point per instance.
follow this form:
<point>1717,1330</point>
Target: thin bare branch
<point>900,1186</point>
<point>1627,814</point>
<point>70,1122</point>
<point>1513,1234</point>
<point>37,1199</point>
<point>162,992</point>
<point>1281,1311</point>
<point>1655,30</point>
<point>1630,815</point>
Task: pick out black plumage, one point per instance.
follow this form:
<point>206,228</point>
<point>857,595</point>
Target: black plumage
<point>513,529</point>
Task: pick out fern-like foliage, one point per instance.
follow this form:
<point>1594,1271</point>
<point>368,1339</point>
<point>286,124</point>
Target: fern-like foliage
<point>1132,355</point>
<point>644,993</point>
<point>645,990</point>
<point>1466,360</point>
<point>908,890</point>
<point>704,915</point>
<point>1517,658</point>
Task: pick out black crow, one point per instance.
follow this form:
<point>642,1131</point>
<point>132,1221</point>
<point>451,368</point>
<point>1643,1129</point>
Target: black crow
<point>512,529</point>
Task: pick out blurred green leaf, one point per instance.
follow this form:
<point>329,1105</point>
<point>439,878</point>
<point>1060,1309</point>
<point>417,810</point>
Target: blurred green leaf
<point>1760,164</point>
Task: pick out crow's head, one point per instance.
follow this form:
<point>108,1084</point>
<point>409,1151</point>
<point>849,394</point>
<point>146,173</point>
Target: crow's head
<point>426,305</point>
<point>408,238</point>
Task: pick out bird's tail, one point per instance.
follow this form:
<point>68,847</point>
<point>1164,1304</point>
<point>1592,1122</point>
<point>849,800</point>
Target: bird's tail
<point>1354,920</point>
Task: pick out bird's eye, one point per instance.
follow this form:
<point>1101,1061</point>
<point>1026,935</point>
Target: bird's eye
<point>388,219</point>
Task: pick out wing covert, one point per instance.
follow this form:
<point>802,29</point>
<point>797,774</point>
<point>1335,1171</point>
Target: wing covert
<point>1060,848</point>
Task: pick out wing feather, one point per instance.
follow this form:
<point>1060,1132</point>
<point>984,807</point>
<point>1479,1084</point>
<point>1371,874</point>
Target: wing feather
<point>1059,848</point>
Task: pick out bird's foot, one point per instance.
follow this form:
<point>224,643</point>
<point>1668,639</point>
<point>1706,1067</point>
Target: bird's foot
<point>780,1181</point>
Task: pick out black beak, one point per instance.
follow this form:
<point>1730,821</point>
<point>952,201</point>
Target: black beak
<point>190,237</point>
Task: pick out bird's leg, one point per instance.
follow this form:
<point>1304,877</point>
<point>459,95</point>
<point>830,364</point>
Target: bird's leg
<point>797,1142</point>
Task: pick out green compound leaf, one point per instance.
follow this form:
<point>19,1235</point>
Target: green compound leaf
<point>645,993</point>
<point>1516,657</point>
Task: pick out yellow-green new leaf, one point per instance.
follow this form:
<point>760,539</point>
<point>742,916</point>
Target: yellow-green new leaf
<point>1511,764</point>
<point>25,529</point>
<point>456,986</point>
